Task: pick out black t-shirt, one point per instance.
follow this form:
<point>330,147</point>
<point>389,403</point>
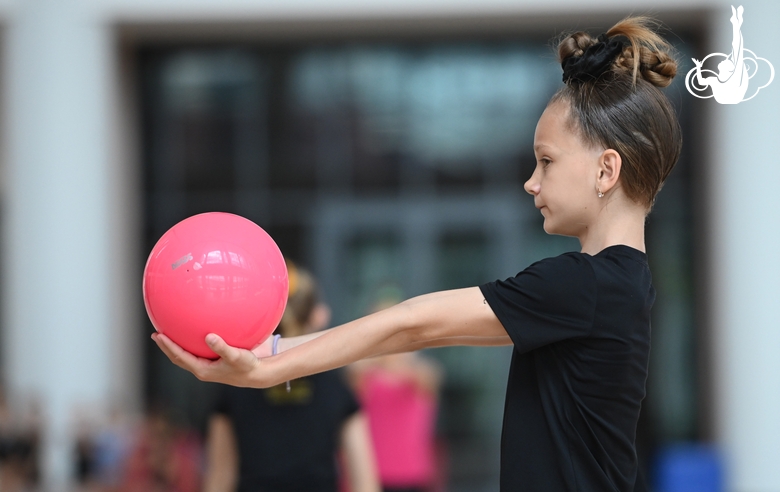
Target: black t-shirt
<point>581,330</point>
<point>287,442</point>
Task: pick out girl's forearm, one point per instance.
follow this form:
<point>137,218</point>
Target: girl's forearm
<point>286,344</point>
<point>460,317</point>
<point>456,342</point>
<point>378,333</point>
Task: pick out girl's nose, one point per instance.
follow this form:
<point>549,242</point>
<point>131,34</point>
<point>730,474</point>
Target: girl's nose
<point>532,186</point>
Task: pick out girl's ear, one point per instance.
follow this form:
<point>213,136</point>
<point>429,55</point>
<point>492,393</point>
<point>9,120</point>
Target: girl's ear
<point>609,170</point>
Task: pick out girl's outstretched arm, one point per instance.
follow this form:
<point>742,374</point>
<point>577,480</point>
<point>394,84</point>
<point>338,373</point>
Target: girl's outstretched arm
<point>454,317</point>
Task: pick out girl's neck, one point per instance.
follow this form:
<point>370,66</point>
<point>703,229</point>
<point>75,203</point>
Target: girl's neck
<point>625,226</point>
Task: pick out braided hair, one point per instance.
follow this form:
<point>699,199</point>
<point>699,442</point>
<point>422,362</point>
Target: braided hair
<point>612,88</point>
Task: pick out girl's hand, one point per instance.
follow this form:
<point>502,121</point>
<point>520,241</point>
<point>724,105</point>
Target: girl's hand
<point>235,366</point>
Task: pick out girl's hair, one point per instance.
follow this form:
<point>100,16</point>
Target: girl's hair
<point>302,298</point>
<point>612,90</point>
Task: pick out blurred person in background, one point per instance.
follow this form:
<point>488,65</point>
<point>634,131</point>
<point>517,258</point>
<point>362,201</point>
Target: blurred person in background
<point>19,447</point>
<point>399,393</point>
<point>111,447</point>
<point>290,438</point>
<point>84,462</point>
<point>102,451</point>
<point>164,458</point>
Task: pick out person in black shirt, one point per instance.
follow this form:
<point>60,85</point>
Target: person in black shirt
<point>580,326</point>
<point>290,439</point>
<point>579,322</point>
<point>269,440</point>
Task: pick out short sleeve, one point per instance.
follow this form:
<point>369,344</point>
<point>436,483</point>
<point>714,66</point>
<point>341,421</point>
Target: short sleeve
<point>550,301</point>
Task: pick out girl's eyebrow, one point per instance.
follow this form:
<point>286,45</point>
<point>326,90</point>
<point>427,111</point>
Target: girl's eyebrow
<point>540,146</point>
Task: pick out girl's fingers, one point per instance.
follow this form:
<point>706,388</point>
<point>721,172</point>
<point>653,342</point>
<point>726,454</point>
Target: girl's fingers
<point>178,355</point>
<point>240,360</point>
<point>232,361</point>
<point>230,355</point>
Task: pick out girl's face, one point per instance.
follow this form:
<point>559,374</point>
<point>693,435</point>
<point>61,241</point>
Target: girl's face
<point>564,182</point>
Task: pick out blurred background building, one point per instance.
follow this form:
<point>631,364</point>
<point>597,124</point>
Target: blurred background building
<point>384,145</point>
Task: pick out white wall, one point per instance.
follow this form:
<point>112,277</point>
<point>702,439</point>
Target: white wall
<point>57,266</point>
<point>70,210</point>
<point>745,206</point>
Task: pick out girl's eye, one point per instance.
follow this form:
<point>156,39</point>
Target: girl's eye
<point>545,162</point>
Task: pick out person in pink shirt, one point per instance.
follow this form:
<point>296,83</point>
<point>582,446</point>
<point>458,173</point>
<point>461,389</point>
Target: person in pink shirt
<point>399,394</point>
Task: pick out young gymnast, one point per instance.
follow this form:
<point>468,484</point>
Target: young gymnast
<point>579,322</point>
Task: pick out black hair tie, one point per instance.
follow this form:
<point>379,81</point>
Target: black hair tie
<point>594,61</point>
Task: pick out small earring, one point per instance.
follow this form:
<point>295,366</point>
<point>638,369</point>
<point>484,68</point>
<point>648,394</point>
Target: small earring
<point>601,194</point>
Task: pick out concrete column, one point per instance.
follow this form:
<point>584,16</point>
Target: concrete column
<point>745,206</point>
<point>59,272</point>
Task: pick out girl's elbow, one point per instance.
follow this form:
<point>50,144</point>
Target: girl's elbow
<point>417,324</point>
